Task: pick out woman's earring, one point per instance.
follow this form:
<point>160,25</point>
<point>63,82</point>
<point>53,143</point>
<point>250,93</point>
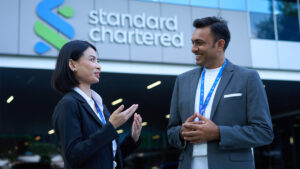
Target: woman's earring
<point>74,70</point>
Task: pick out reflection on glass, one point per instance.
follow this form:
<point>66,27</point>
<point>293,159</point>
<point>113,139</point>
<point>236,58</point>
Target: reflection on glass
<point>262,25</point>
<point>239,5</point>
<point>178,2</point>
<point>286,12</point>
<point>261,19</point>
<point>261,6</point>
<point>206,3</point>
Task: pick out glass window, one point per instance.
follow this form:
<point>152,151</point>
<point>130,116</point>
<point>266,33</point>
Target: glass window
<point>178,2</point>
<point>286,12</point>
<point>262,25</point>
<point>261,6</point>
<point>261,19</point>
<point>239,5</point>
<point>206,3</point>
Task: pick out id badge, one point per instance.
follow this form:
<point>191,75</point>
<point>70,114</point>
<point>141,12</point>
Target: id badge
<point>200,149</point>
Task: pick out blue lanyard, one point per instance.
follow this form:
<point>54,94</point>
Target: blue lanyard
<point>202,105</point>
<point>100,113</point>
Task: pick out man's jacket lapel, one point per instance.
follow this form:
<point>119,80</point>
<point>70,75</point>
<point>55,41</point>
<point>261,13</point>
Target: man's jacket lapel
<point>226,76</point>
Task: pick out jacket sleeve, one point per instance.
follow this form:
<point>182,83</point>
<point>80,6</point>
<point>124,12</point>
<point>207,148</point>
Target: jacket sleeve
<point>128,146</point>
<point>175,123</point>
<point>258,130</point>
<point>76,147</point>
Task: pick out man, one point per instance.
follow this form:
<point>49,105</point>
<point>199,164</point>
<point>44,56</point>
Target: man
<point>219,111</point>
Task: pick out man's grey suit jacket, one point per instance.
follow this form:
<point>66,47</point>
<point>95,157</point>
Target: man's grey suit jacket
<point>240,109</point>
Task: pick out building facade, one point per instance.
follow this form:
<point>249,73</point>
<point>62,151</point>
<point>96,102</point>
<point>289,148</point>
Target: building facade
<point>151,39</point>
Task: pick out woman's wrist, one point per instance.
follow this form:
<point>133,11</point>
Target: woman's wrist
<point>135,139</point>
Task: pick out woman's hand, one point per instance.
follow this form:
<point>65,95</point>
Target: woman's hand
<point>136,127</point>
<point>119,117</point>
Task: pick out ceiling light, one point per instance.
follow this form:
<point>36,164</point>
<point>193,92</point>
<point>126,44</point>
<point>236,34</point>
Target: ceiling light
<point>291,140</point>
<point>167,116</point>
<point>117,101</point>
<point>37,138</point>
<point>120,131</point>
<point>26,143</point>
<point>10,99</point>
<point>153,85</point>
<point>51,132</point>
<point>155,137</point>
<point>144,123</point>
<point>140,154</point>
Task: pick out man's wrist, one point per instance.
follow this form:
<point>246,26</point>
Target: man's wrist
<point>217,131</point>
<point>181,137</point>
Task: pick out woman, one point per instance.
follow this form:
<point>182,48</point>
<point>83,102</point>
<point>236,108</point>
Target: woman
<point>85,129</point>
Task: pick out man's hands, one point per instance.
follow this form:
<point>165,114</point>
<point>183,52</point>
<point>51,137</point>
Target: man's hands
<point>136,127</point>
<point>119,117</point>
<point>184,129</point>
<point>200,131</point>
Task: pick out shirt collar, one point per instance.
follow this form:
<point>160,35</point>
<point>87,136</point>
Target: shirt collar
<point>213,70</point>
<point>95,96</point>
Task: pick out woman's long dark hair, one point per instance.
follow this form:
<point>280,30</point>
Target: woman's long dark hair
<point>63,79</point>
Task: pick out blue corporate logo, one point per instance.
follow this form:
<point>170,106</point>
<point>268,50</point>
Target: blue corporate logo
<point>53,35</point>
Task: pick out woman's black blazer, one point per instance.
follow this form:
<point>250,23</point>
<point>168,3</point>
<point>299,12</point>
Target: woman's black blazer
<point>85,142</point>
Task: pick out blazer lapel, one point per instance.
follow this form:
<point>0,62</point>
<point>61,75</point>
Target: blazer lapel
<point>91,112</point>
<point>106,113</point>
<point>227,74</point>
<point>193,89</point>
<point>86,106</point>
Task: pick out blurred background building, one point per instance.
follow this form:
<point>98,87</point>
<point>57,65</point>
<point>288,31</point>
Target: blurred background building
<point>143,45</point>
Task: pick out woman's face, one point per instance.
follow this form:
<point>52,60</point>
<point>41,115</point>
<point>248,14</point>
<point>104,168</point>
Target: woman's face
<point>87,67</point>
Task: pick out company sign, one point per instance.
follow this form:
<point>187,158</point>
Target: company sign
<point>118,28</point>
<point>142,29</point>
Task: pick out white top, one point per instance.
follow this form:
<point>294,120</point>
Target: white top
<point>99,102</point>
<point>200,149</point>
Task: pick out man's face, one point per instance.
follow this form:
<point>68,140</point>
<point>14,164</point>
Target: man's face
<point>203,46</point>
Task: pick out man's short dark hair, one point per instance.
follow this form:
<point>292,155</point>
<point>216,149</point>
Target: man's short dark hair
<point>63,78</point>
<point>218,27</point>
